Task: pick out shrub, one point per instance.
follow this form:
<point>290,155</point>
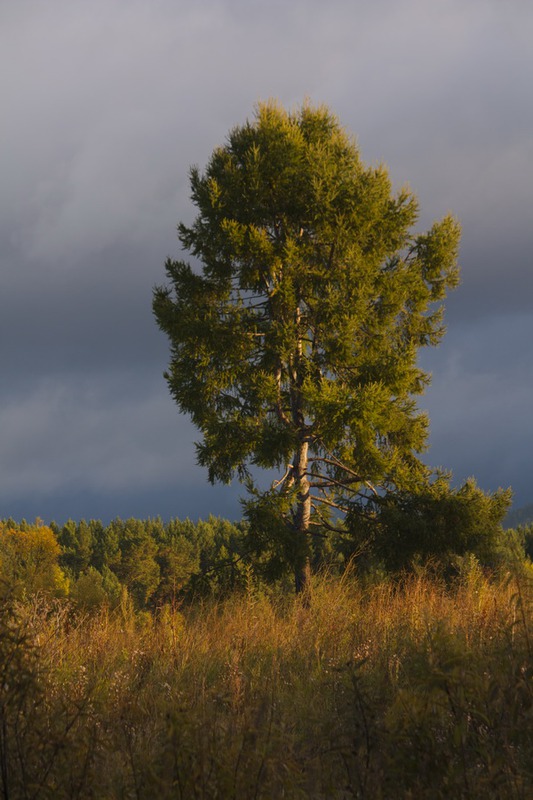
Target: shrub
<point>435,522</point>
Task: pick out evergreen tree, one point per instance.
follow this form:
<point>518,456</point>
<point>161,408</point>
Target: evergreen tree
<point>436,522</point>
<point>296,346</point>
<point>138,568</point>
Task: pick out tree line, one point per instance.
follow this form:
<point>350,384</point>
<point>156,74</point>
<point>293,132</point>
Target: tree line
<point>92,563</point>
<point>151,563</point>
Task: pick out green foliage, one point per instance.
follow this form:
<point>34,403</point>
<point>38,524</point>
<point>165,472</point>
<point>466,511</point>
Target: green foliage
<point>435,522</point>
<point>94,589</point>
<point>296,347</point>
<point>525,533</point>
<point>138,568</point>
<point>77,542</point>
<point>156,563</point>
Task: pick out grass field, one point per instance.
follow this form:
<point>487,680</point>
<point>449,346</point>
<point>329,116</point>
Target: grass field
<point>405,689</point>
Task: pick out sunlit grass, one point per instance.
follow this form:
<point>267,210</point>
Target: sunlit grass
<point>401,689</point>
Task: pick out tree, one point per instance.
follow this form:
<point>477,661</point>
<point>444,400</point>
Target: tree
<point>29,557</point>
<point>295,347</point>
<point>94,589</point>
<point>76,541</point>
<point>138,568</point>
<point>436,522</point>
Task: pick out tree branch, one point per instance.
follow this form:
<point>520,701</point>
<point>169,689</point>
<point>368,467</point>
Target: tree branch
<point>336,463</point>
<point>330,503</point>
<point>324,522</point>
<point>329,483</point>
<point>282,416</point>
<point>288,472</point>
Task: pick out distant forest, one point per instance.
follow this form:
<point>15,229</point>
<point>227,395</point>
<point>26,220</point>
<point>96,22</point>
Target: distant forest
<point>150,563</point>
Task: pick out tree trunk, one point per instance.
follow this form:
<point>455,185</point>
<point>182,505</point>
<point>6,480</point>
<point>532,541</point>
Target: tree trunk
<point>302,518</point>
<point>302,514</point>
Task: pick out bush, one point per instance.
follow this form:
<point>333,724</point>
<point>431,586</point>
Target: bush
<point>435,522</point>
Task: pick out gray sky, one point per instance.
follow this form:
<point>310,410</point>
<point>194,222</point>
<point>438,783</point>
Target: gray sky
<point>104,107</point>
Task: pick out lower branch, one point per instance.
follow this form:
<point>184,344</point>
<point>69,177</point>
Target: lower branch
<point>330,503</point>
<point>275,484</point>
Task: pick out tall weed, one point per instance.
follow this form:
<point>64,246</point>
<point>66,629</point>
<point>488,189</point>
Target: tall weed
<point>402,689</point>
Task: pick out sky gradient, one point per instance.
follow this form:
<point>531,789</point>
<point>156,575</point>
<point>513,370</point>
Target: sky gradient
<point>105,105</point>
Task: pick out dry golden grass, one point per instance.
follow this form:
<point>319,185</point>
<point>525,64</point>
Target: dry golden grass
<point>401,689</point>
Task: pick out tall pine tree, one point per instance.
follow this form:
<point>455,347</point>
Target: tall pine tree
<point>295,347</point>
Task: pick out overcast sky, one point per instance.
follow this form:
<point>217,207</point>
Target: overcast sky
<point>106,104</point>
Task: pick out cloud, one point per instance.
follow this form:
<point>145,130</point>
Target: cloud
<point>105,437</point>
<point>105,106</point>
<point>479,403</point>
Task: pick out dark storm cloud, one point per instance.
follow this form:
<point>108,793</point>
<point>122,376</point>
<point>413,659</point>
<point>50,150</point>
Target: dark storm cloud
<point>480,402</point>
<point>105,106</point>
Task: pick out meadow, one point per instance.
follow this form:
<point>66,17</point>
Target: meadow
<point>404,687</point>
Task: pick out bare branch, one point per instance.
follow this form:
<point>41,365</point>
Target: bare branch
<point>288,472</point>
<point>372,488</point>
